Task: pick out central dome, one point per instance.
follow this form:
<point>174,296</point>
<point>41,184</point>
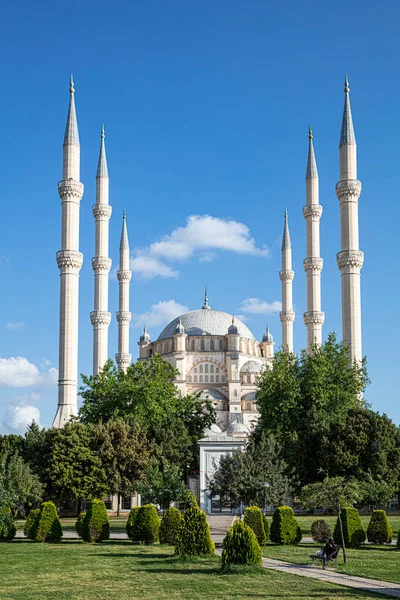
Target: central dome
<point>205,322</point>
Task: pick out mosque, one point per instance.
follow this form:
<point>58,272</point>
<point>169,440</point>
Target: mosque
<point>214,353</point>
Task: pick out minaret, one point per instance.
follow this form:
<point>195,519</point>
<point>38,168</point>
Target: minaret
<point>312,212</point>
<point>124,275</point>
<point>69,261</point>
<point>287,275</point>
<point>101,263</point>
<point>350,259</point>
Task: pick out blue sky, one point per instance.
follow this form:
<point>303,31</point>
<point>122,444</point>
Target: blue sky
<point>206,107</point>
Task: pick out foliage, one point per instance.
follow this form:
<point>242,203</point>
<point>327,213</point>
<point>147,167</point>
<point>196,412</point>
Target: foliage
<point>194,537</point>
<point>253,518</point>
<point>285,528</point>
<point>379,530</point>
<point>95,526</point>
<point>266,528</point>
<point>398,540</point>
<point>162,482</point>
<point>321,531</point>
<point>241,476</point>
<point>31,523</point>
<point>7,525</point>
<point>170,526</point>
<point>18,485</point>
<point>79,523</point>
<point>131,521</point>
<point>48,526</point>
<point>241,546</point>
<point>353,531</point>
<point>377,492</point>
<point>302,398</point>
<point>146,526</point>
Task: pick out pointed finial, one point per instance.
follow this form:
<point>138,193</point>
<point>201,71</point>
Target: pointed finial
<point>233,319</point>
<point>71,84</point>
<point>311,171</point>
<point>346,85</point>
<point>124,244</point>
<point>206,305</point>
<point>347,135</point>
<point>103,133</point>
<point>286,214</point>
<point>124,215</point>
<point>102,169</point>
<point>286,236</point>
<point>144,329</point>
<point>310,134</point>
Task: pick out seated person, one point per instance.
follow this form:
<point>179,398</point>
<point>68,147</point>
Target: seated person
<point>329,549</point>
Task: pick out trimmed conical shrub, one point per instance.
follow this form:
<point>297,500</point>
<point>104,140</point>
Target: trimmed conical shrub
<point>79,523</point>
<point>285,528</point>
<point>95,526</point>
<point>48,527</point>
<point>31,523</point>
<point>353,531</point>
<point>7,525</point>
<point>321,531</point>
<point>146,525</point>
<point>379,530</point>
<point>241,546</point>
<point>170,526</point>
<point>131,521</point>
<point>194,537</point>
<point>253,518</point>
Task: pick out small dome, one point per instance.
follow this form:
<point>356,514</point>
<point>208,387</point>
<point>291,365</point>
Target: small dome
<point>232,329</point>
<point>251,366</point>
<point>267,337</point>
<point>236,427</point>
<point>180,328</point>
<point>145,337</point>
<point>213,430</point>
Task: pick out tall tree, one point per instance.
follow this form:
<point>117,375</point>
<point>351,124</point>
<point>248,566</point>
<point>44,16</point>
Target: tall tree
<point>18,485</point>
<point>162,483</point>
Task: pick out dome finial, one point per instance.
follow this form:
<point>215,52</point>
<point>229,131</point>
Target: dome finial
<point>310,134</point>
<point>145,337</point>
<point>71,84</point>
<point>233,330</point>
<point>103,133</point>
<point>346,85</point>
<point>206,305</point>
<point>267,337</point>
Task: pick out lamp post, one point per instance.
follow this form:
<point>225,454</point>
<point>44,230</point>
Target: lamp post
<point>266,485</point>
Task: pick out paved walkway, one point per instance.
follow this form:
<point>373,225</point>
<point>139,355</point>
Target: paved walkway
<point>219,525</point>
<point>361,583</point>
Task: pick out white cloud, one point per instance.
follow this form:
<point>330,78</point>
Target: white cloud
<point>20,372</point>
<point>243,318</point>
<point>21,413</point>
<point>15,325</point>
<point>160,313</point>
<point>260,307</point>
<point>202,233</point>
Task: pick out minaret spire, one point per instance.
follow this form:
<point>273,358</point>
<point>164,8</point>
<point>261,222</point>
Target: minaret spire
<point>286,276</point>
<point>350,259</point>
<point>69,261</point>
<point>101,263</point>
<point>124,275</point>
<point>313,263</point>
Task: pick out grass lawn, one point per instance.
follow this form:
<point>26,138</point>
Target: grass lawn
<point>376,562</point>
<point>120,570</point>
<point>305,523</point>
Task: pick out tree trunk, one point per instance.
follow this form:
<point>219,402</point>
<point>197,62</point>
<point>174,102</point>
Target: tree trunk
<point>342,536</point>
<point>119,503</point>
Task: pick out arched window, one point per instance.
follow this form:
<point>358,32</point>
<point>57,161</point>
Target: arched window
<point>222,377</point>
<point>249,378</point>
<point>217,378</point>
<point>201,368</point>
<point>206,379</point>
<point>195,370</point>
<point>221,344</point>
<point>211,345</point>
<point>190,379</point>
<point>249,406</point>
<point>193,345</point>
<point>235,393</point>
<point>211,368</point>
<point>195,379</point>
<point>211,378</point>
<point>202,345</point>
<point>205,368</point>
<point>201,378</point>
<point>217,369</point>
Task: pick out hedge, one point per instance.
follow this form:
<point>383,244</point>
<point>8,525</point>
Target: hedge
<point>170,526</point>
<point>266,528</point>
<point>284,528</point>
<point>79,522</point>
<point>240,546</point>
<point>321,531</point>
<point>7,525</point>
<point>253,518</point>
<point>379,530</point>
<point>31,523</point>
<point>131,520</point>
<point>48,526</point>
<point>194,537</point>
<point>146,525</point>
<point>95,526</point>
<point>353,531</point>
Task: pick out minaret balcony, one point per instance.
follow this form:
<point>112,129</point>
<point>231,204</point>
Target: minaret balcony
<point>348,190</point>
<point>314,264</point>
<point>70,190</point>
<point>349,260</point>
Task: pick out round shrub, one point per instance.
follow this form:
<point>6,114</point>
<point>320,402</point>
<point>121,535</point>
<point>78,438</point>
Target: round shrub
<point>7,525</point>
<point>241,546</point>
<point>194,537</point>
<point>95,525</point>
<point>131,520</point>
<point>48,527</point>
<point>79,522</point>
<point>321,531</point>
<point>266,528</point>
<point>353,531</point>
<point>253,518</point>
<point>170,526</point>
<point>31,523</point>
<point>146,525</point>
<point>379,530</point>
<point>284,528</point>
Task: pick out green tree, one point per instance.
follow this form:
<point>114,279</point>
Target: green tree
<point>333,493</point>
<point>124,452</point>
<point>18,485</point>
<point>162,482</point>
<point>376,492</point>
